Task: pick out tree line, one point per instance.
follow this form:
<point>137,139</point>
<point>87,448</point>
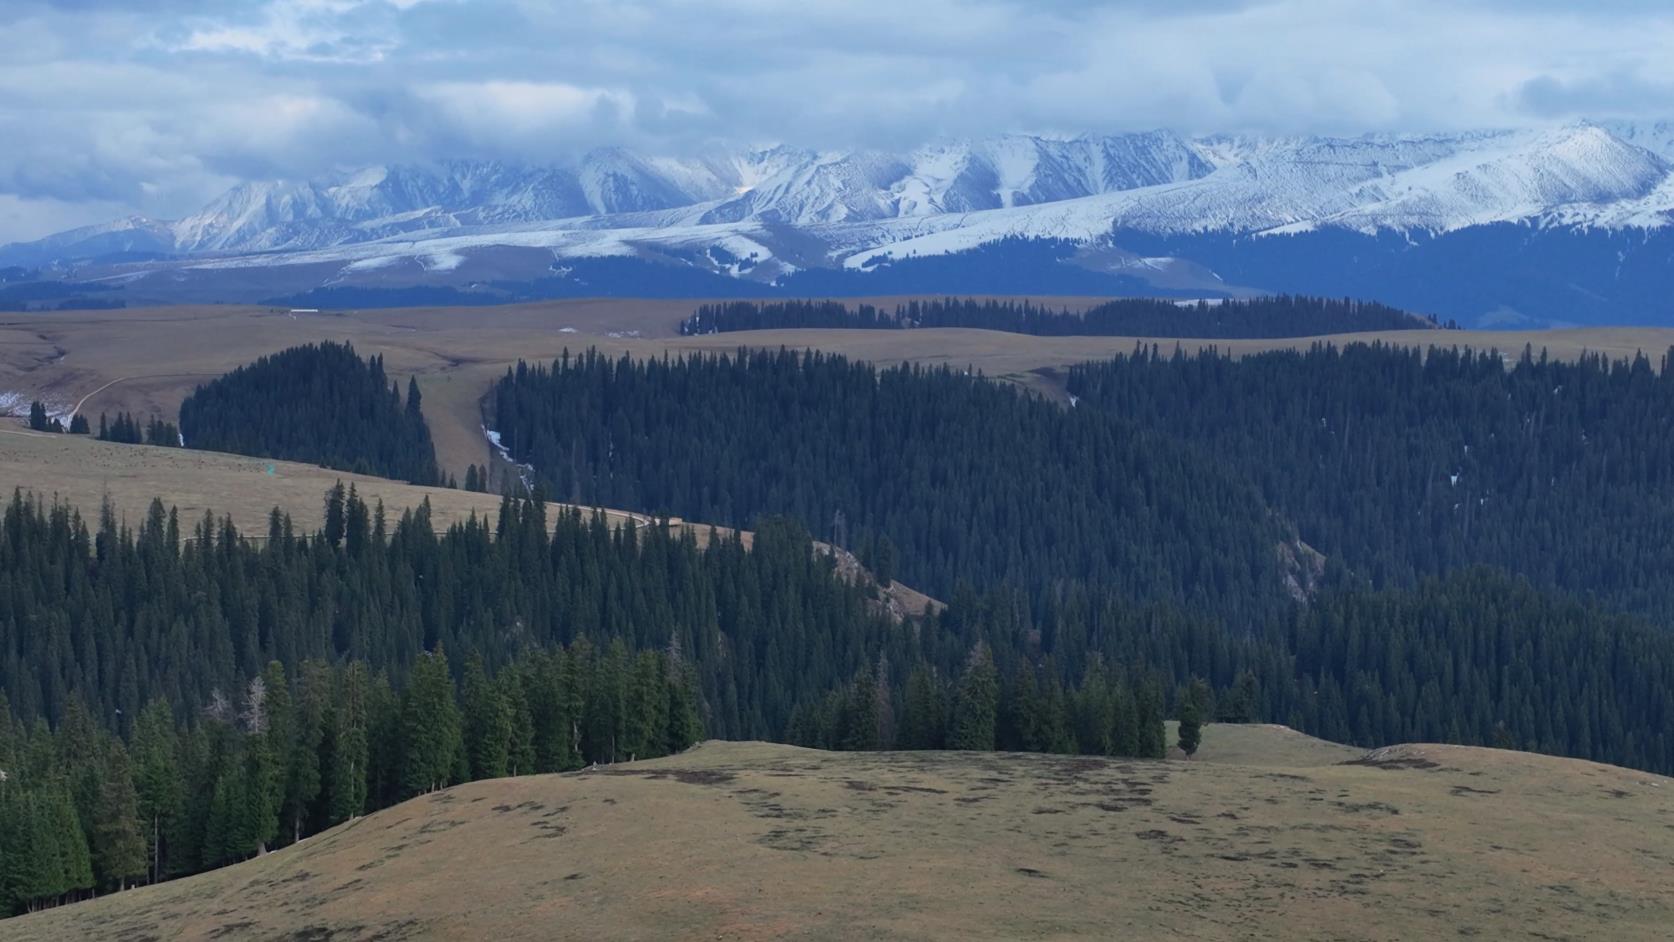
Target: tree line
<point>125,429</point>
<point>84,810</point>
<point>318,403</point>
<point>1269,316</point>
<point>257,691</point>
<point>118,616</point>
<point>128,431</point>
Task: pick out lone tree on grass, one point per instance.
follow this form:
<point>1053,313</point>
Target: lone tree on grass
<point>1191,718</point>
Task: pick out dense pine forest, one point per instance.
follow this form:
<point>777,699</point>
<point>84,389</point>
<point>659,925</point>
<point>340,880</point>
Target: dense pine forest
<point>1367,454</point>
<point>248,693</point>
<point>1172,477</point>
<point>1275,316</point>
<point>1402,464</point>
<point>318,403</point>
<point>952,478</point>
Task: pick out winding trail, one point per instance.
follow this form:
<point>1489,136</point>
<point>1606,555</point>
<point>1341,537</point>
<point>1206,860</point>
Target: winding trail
<point>83,400</point>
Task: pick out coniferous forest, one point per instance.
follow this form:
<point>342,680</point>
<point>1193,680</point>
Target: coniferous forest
<point>1271,316</point>
<point>1403,465</point>
<point>1248,467</point>
<point>1367,544</point>
<point>257,691</point>
<point>958,479</point>
<point>318,403</point>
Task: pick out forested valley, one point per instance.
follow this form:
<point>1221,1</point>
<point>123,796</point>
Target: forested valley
<point>937,476</point>
<point>178,694</point>
<point>1196,509</point>
<point>1272,316</point>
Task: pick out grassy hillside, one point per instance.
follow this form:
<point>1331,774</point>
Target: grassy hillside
<point>84,472</point>
<point>1265,835</point>
<point>147,361</point>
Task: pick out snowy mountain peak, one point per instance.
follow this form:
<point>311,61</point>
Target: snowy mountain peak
<point>947,195</point>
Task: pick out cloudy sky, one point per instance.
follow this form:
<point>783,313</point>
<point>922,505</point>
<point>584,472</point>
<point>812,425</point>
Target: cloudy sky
<point>161,104</point>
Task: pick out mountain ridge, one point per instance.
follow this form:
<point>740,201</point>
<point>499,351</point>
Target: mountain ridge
<point>756,221</point>
<point>1171,183</point>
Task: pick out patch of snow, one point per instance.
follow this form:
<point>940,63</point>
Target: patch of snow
<point>374,263</point>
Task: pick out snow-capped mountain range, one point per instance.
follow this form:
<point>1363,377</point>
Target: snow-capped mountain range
<point>758,218</point>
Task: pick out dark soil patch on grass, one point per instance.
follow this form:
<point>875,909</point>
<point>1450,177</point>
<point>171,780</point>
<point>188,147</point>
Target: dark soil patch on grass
<point>802,839</point>
<point>1394,762</point>
<point>683,776</point>
<point>1362,807</point>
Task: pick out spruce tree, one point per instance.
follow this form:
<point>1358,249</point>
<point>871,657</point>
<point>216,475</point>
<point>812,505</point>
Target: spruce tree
<point>1191,718</point>
<point>335,498</point>
<point>75,862</point>
<point>118,847</point>
<point>431,741</point>
<point>347,776</point>
<point>487,722</point>
<point>976,703</point>
<point>685,726</point>
<point>270,723</point>
<point>924,713</point>
<point>304,778</point>
<point>520,745</point>
<point>158,781</point>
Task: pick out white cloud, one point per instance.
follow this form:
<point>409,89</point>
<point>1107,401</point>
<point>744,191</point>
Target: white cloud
<point>520,109</point>
<point>152,105</point>
<point>305,30</point>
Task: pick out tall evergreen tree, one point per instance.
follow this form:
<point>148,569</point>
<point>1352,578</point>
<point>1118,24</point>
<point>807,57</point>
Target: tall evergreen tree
<point>487,722</point>
<point>1192,709</point>
<point>118,847</point>
<point>431,742</point>
<point>976,704</point>
<point>158,783</point>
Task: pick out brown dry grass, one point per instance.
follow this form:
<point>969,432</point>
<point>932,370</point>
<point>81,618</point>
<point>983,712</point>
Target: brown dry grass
<point>755,841</point>
<point>147,360</point>
<point>84,473</point>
